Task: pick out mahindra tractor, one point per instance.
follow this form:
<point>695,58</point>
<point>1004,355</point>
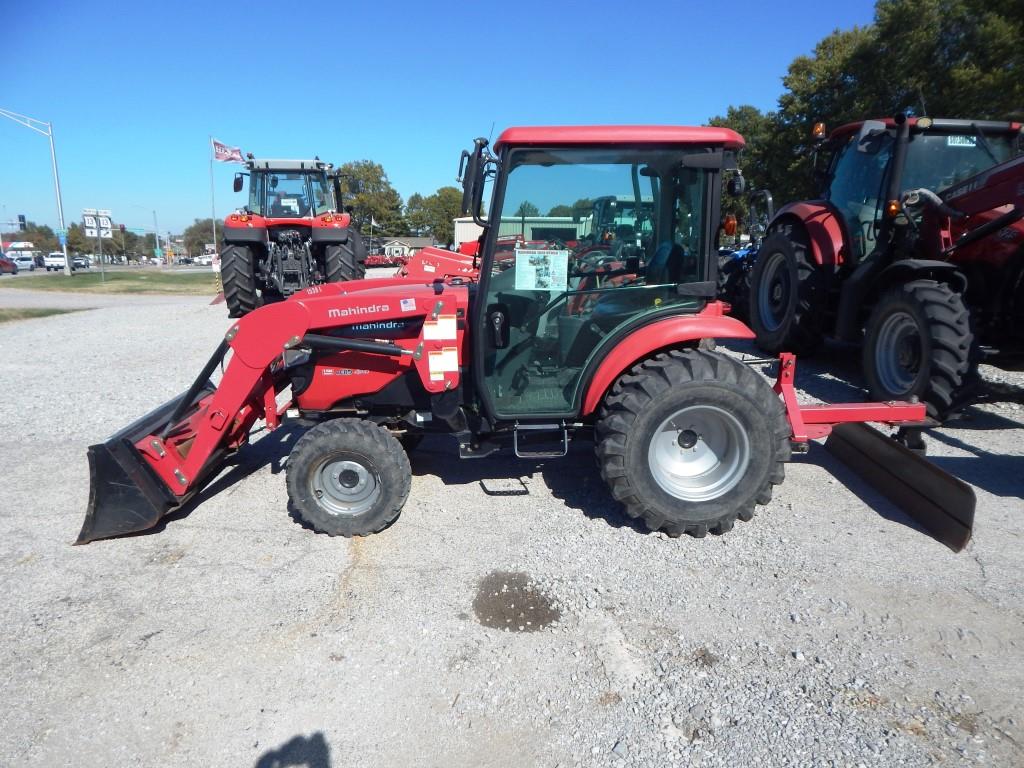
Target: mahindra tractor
<point>524,358</point>
<point>291,234</point>
<point>915,252</point>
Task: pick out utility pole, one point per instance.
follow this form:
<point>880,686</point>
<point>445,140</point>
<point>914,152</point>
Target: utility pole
<point>35,125</point>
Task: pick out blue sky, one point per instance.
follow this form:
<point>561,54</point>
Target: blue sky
<point>134,90</point>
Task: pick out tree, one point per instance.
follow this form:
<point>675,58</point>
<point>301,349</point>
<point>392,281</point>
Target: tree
<point>526,208</point>
<point>376,199</point>
<point>442,208</point>
<point>199,233</point>
<point>77,241</point>
<point>417,216</point>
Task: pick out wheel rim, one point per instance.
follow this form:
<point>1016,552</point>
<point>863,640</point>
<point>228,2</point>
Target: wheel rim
<point>344,487</point>
<point>898,353</point>
<point>774,291</point>
<point>699,453</point>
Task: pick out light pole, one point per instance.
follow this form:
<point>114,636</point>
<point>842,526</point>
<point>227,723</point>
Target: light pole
<point>33,124</point>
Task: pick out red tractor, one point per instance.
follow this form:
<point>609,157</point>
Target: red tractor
<point>528,357</point>
<point>915,252</point>
<point>290,235</point>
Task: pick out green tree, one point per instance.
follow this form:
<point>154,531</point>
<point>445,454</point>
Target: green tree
<point>416,214</point>
<point>77,242</point>
<point>442,208</point>
<point>376,198</point>
<point>198,234</point>
<point>526,208</point>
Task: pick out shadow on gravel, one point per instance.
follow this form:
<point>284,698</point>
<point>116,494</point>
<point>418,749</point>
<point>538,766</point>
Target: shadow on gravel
<point>859,487</point>
<point>992,472</point>
<point>299,752</point>
<point>573,479</point>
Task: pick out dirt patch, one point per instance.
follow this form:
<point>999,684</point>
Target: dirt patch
<point>511,601</point>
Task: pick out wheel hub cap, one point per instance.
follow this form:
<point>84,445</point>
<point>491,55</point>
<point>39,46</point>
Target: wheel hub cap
<point>344,487</point>
<point>699,453</point>
<point>898,353</point>
<point>773,293</point>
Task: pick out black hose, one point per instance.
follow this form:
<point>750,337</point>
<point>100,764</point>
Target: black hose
<point>197,386</point>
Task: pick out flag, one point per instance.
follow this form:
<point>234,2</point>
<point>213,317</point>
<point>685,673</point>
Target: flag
<point>373,223</point>
<point>222,153</point>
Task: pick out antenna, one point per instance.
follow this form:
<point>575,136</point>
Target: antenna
<point>489,135</point>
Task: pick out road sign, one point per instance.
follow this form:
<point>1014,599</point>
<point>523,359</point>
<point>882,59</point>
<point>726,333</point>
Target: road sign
<point>104,222</point>
<point>63,238</point>
<point>106,233</point>
<point>88,211</point>
<point>90,231</point>
<point>103,212</point>
<point>90,221</point>
<point>158,253</point>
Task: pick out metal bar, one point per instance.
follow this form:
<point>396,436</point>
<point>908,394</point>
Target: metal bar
<point>839,413</point>
<point>197,386</point>
<point>317,341</point>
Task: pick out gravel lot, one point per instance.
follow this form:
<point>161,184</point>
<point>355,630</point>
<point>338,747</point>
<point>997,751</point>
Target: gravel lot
<point>827,631</point>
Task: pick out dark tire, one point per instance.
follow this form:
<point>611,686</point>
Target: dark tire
<point>689,441</point>
<point>918,343</point>
<point>348,477</point>
<point>238,276</point>
<point>786,294</point>
<point>734,285</point>
<point>346,261</point>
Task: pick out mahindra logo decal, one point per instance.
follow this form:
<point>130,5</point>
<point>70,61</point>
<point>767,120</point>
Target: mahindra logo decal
<point>350,311</point>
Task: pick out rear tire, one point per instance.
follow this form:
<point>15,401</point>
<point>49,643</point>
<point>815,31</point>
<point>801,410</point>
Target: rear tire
<point>342,262</point>
<point>786,294</point>
<point>348,477</point>
<point>918,344</point>
<point>238,276</point>
<point>689,441</point>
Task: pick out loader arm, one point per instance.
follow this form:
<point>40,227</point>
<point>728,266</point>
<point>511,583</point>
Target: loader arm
<point>183,442</point>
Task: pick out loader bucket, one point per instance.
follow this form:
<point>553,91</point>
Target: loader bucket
<point>125,494</point>
<point>940,503</point>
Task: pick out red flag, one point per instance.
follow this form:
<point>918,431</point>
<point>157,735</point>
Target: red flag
<point>222,153</point>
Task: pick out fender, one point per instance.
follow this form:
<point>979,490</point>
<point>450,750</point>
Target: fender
<point>823,226</point>
<point>909,269</point>
<point>642,343</point>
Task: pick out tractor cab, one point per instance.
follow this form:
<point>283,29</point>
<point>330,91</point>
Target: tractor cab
<point>866,171</point>
<point>553,311</point>
<point>290,189</point>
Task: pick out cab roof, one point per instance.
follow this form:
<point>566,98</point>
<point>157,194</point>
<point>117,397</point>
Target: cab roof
<point>939,125</point>
<point>619,134</point>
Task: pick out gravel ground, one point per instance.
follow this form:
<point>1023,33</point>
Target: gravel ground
<point>827,631</point>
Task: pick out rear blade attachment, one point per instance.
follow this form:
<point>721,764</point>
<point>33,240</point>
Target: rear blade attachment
<point>125,494</point>
<point>940,503</point>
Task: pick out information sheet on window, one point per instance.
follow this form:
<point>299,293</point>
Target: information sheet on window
<point>541,270</point>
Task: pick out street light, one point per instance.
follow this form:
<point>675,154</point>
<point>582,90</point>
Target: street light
<point>156,227</point>
<point>32,124</point>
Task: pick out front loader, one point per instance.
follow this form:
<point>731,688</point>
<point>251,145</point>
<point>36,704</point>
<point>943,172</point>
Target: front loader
<point>528,356</point>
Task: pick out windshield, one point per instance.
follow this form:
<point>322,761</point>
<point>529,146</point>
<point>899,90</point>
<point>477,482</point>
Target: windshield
<point>589,241</point>
<point>937,161</point>
<point>290,195</point>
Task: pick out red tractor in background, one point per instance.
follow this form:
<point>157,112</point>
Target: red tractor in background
<point>915,252</point>
<point>291,234</point>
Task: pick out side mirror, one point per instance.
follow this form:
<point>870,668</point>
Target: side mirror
<point>737,185</point>
<point>273,182</point>
<point>237,185</point>
<point>470,166</point>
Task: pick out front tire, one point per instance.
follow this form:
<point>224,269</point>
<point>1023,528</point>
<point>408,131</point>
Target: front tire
<point>348,477</point>
<point>342,261</point>
<point>689,441</point>
<point>786,294</point>
<point>238,277</point>
<point>918,344</point>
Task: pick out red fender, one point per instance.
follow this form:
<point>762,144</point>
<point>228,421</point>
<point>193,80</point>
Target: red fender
<point>642,343</point>
<point>823,229</point>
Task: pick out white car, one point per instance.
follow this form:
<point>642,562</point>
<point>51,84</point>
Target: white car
<point>23,260</point>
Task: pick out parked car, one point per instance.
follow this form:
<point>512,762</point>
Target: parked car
<point>7,265</point>
<point>79,262</point>
<point>24,260</point>
<point>54,261</point>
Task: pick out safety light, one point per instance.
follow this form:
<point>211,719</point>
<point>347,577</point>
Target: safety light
<point>328,218</point>
<point>818,131</point>
<point>892,209</point>
<point>729,225</point>
<point>924,123</point>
